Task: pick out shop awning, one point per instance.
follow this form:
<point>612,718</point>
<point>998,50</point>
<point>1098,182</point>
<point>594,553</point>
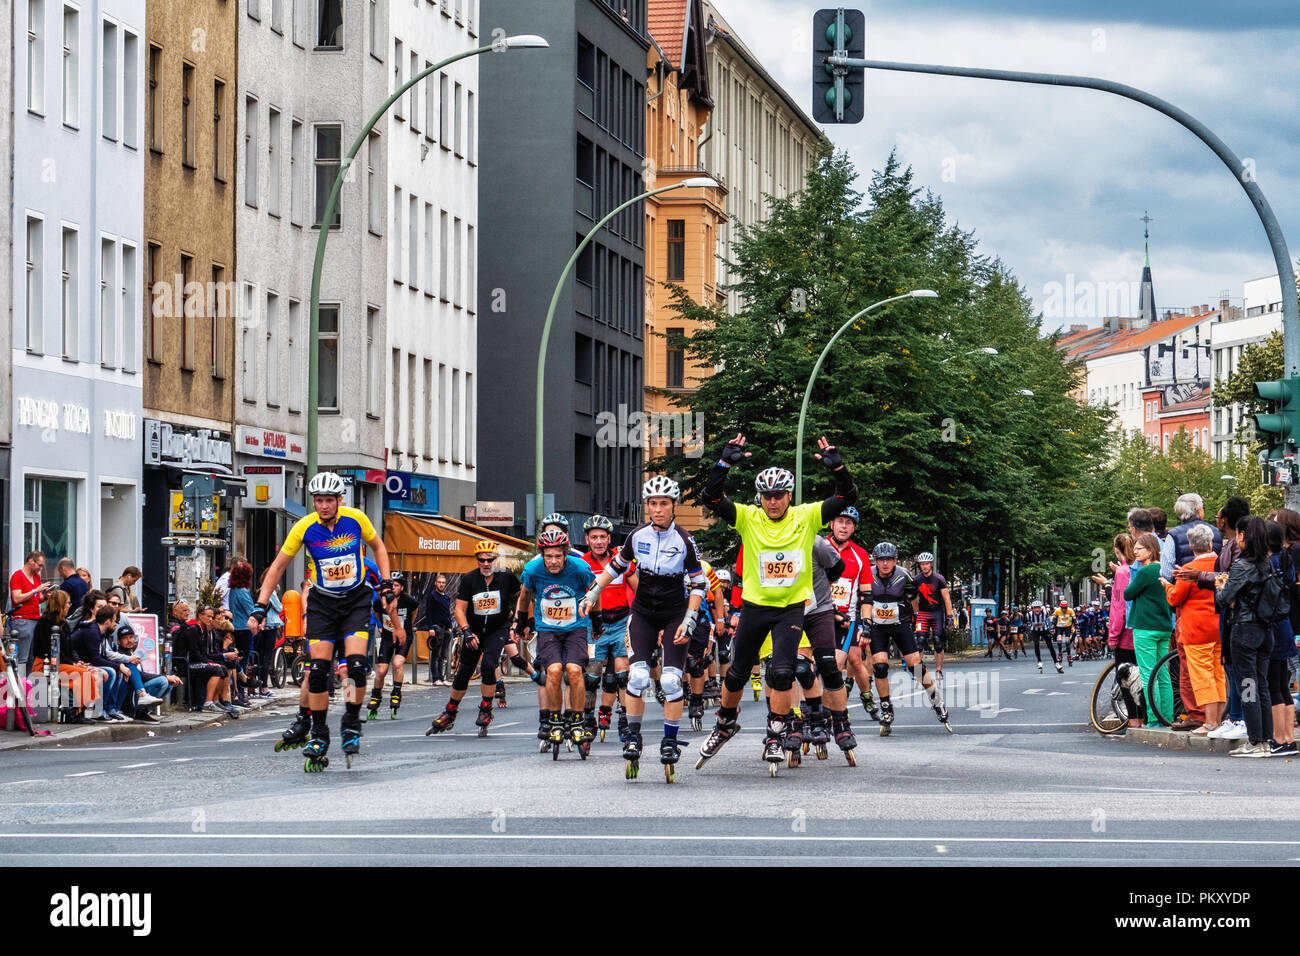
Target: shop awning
<point>440,543</point>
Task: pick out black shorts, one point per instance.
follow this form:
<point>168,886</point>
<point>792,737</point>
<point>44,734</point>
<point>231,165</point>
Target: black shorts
<point>785,624</point>
<point>561,647</point>
<point>643,632</point>
<point>388,647</point>
<point>882,634</point>
<point>337,618</point>
<point>699,645</point>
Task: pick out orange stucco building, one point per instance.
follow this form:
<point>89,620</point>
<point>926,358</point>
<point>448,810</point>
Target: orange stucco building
<point>681,225</point>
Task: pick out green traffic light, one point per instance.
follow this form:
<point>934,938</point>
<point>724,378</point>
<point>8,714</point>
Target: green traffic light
<point>830,97</point>
<point>830,36</point>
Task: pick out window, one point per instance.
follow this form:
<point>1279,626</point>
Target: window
<point>444,402</point>
<point>254,10</point>
<point>219,130</point>
<point>415,93</point>
<point>299,27</point>
<point>108,81</point>
<point>430,107</point>
<point>329,24</point>
<point>471,274</point>
<point>329,140</point>
<point>676,250</point>
<point>374,351</point>
<point>390,413</point>
<point>430,277</point>
<point>128,313</point>
<point>412,407</point>
<point>130,93</point>
<point>247,353</point>
<point>431,413</point>
<point>49,516</point>
<point>273,164</point>
<point>36,56</point>
<point>296,384</point>
<point>107,303</point>
<point>586,63</point>
<point>192,308</point>
<point>295,172</point>
<point>219,309</point>
<point>399,108</point>
<point>154,118</point>
<point>250,151</point>
<point>277,16</point>
<point>457,274</point>
<point>188,109</point>
<point>460,150</point>
<point>412,242</point>
<point>582,358</point>
<point>444,111</point>
<point>271,368</point>
<point>396,235</point>
<point>444,245</point>
<point>374,197</point>
<point>457,423</point>
<point>376,50</point>
<point>71,103</point>
<point>152,345</point>
<point>34,295</point>
<point>69,295</point>
<point>471,138</point>
<point>582,457</point>
<point>327,368</point>
<point>470,408</point>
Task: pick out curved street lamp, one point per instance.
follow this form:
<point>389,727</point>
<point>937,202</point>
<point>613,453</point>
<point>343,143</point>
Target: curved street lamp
<point>522,42</point>
<point>695,182</point>
<point>807,392</point>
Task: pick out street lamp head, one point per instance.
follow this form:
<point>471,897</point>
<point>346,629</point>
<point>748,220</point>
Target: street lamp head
<point>1228,477</point>
<point>988,350</point>
<point>698,182</point>
<point>1027,392</point>
<point>923,294</point>
<point>526,41</point>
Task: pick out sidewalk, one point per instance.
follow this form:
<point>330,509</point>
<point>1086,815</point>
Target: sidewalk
<point>1165,739</point>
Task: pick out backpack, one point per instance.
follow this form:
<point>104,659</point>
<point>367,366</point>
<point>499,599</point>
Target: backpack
<point>1272,603</point>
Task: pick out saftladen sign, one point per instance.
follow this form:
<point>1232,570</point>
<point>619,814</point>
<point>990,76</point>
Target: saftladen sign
<point>267,443</point>
<point>265,486</point>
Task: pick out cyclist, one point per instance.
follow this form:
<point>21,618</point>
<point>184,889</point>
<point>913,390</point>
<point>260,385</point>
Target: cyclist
<point>483,609</point>
<point>338,606</point>
<point>777,582</point>
<point>550,595</point>
<point>670,587</point>
<point>889,606</point>
<point>395,637</point>
<point>608,662</point>
<point>845,591</point>
<point>1040,629</point>
<point>1063,626</point>
<point>933,610</point>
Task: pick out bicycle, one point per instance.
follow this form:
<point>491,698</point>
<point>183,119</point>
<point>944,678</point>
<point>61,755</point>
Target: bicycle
<point>1164,662</point>
<point>1108,712</point>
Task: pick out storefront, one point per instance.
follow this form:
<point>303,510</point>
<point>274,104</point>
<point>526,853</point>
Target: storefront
<point>76,472</point>
<point>190,493</point>
<point>272,464</point>
<point>442,544</point>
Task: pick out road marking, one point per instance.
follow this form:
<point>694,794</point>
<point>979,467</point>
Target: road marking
<point>251,735</point>
<point>133,766</point>
<point>114,748</point>
<point>1032,690</point>
<point>181,759</point>
<point>86,773</point>
<point>14,783</point>
<point>1057,693</point>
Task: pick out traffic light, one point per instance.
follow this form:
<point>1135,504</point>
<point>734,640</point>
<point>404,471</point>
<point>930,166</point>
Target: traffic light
<point>839,93</point>
<point>1279,427</point>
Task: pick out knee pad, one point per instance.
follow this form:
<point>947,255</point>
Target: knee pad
<point>832,679</point>
<point>519,662</point>
<point>591,682</point>
<point>357,668</point>
<point>780,677</point>
<point>621,677</point>
<point>803,672</point>
<point>881,670</point>
<point>671,682</point>
<point>694,666</point>
<point>318,677</point>
<point>638,678</point>
<point>610,681</point>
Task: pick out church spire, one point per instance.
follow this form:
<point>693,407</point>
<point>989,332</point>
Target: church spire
<point>1147,297</point>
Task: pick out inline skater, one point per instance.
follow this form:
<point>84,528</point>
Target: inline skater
<point>777,583</point>
<point>484,606</point>
<point>819,663</point>
<point>551,587</point>
<point>395,635</point>
<point>670,587</point>
<point>699,658</point>
<point>608,662</point>
<point>338,606</point>
<point>933,610</point>
<point>1063,626</point>
<point>1040,629</point>
<point>889,607</point>
<point>846,592</point>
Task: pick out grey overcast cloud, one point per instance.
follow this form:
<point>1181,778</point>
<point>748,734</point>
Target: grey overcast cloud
<point>1055,181</point>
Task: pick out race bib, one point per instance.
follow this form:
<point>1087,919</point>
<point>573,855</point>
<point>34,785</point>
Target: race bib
<point>336,573</point>
<point>559,611</point>
<point>840,591</point>
<point>779,569</point>
<point>885,613</point>
<point>487,602</point>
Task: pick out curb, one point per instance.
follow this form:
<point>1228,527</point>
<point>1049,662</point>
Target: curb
<point>1163,738</point>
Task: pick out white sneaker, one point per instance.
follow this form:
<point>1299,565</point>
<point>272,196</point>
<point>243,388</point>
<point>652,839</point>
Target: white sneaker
<point>147,700</point>
<point>210,706</point>
<point>1040,667</point>
<point>1230,730</point>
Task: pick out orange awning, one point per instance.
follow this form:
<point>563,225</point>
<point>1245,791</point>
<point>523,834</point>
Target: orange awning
<point>444,544</point>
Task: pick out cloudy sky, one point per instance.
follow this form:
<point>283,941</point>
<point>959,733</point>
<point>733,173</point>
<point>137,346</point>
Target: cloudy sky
<point>1055,181</point>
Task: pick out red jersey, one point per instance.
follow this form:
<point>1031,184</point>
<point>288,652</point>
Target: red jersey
<point>857,574</point>
<point>29,610</point>
<point>617,593</point>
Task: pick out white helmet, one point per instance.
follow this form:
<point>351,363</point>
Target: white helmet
<point>325,483</point>
<point>774,479</point>
<point>723,575</point>
<point>661,486</point>
<point>925,557</point>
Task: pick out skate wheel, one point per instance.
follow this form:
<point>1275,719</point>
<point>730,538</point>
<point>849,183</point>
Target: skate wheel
<point>821,752</point>
<point>771,769</point>
<point>668,773</point>
<point>630,770</point>
<point>848,755</point>
<point>697,724</point>
<point>542,747</point>
<point>349,758</point>
<point>792,759</point>
<point>805,748</point>
<point>482,731</point>
<point>372,715</point>
<point>947,726</point>
<point>280,746</point>
<point>756,694</point>
<point>392,715</point>
<point>568,744</point>
<point>555,751</point>
<point>584,749</point>
<point>699,764</point>
<point>602,736</point>
<point>884,730</point>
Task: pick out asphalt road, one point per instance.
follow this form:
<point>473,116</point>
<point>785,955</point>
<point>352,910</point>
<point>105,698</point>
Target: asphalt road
<point>1023,780</point>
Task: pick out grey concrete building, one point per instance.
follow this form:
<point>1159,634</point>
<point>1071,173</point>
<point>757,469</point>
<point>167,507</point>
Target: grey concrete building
<point>562,140</point>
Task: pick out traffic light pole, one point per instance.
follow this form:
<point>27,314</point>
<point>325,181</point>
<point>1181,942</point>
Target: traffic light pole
<point>1242,173</point>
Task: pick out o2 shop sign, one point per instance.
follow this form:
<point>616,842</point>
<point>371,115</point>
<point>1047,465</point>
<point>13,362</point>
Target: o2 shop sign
<point>405,490</point>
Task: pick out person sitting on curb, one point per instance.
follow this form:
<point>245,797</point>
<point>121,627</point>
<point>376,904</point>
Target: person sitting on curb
<point>90,644</point>
<point>155,687</point>
<point>190,644</point>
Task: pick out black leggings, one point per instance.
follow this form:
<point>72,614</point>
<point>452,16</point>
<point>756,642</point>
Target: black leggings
<point>1046,638</point>
<point>820,628</point>
<point>643,634</point>
<point>266,639</point>
<point>756,620</point>
<point>1279,682</point>
<point>489,649</point>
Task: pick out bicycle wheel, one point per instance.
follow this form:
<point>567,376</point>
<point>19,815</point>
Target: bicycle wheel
<point>451,656</point>
<point>1163,665</point>
<point>279,668</point>
<point>298,669</point>
<point>1108,713</point>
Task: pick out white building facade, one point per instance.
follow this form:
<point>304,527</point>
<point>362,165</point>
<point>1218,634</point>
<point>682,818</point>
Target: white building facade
<point>431,222</point>
<point>77,227</point>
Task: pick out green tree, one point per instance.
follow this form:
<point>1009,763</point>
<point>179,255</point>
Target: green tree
<point>1260,362</point>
